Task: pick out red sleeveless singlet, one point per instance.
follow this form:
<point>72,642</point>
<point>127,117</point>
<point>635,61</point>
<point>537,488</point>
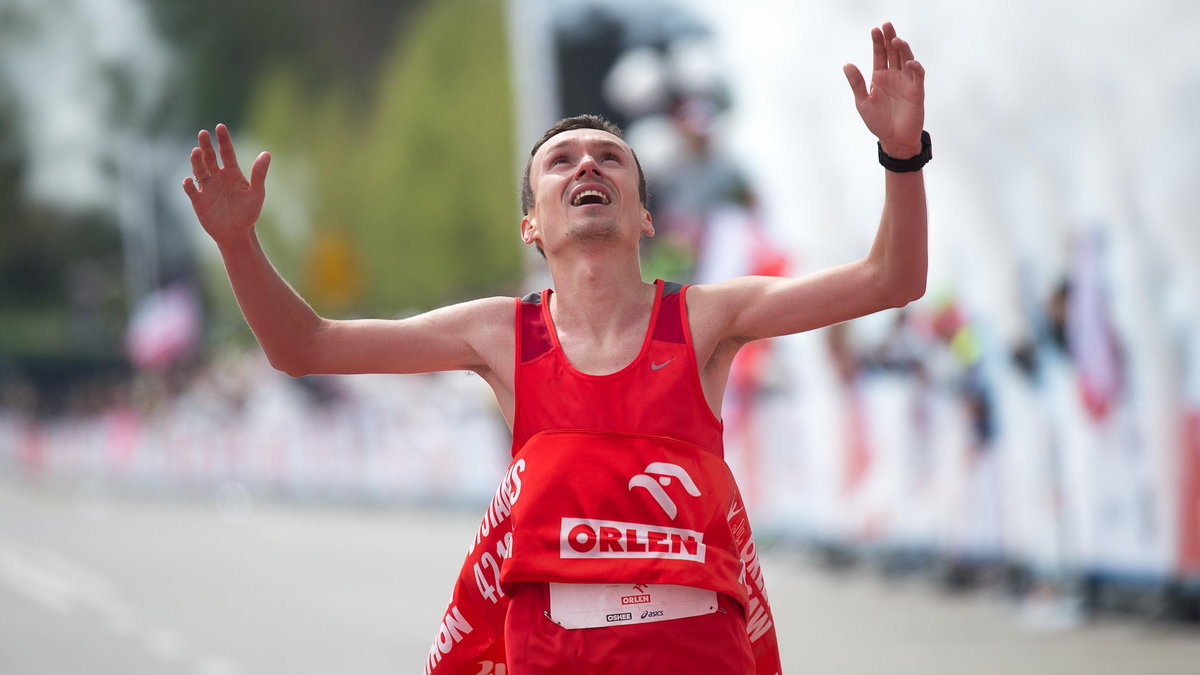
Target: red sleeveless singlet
<point>566,512</point>
<point>658,393</point>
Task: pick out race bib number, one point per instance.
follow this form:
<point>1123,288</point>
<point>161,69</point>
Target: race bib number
<point>575,606</point>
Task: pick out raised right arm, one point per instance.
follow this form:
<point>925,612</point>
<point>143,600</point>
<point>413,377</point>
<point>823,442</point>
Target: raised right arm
<point>475,335</point>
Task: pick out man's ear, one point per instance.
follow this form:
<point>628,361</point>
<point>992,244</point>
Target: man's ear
<point>529,233</point>
<point>647,223</point>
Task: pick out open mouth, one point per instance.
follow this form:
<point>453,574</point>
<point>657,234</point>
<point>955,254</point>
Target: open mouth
<point>587,197</point>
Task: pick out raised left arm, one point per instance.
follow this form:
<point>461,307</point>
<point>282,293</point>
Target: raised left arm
<point>893,272</point>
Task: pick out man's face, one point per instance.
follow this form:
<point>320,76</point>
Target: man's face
<point>585,187</point>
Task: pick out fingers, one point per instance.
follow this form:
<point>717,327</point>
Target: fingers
<point>258,171</point>
<point>916,70</point>
<point>889,43</point>
<point>200,168</point>
<point>208,156</point>
<point>904,50</point>
<point>880,58</point>
<point>857,84</point>
<point>893,50</point>
<point>204,156</point>
<point>906,61</point>
<point>224,147</point>
<point>225,144</point>
<point>890,51</point>
<point>205,167</point>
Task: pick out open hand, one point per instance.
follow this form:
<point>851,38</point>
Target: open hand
<point>894,108</point>
<point>225,202</point>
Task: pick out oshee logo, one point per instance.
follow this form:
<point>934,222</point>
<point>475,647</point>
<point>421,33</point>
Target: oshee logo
<point>612,539</point>
<point>623,616</point>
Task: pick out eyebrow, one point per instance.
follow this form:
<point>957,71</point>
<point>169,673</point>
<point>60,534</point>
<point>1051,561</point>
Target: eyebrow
<point>552,148</point>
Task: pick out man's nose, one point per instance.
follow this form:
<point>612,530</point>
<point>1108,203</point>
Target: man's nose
<point>587,164</point>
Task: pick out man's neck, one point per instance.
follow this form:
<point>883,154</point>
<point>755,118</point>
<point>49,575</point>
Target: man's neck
<point>599,294</point>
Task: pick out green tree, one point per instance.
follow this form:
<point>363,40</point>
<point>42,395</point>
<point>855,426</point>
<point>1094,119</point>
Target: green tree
<point>420,181</point>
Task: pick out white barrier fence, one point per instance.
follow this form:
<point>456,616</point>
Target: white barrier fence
<point>889,460</point>
<point>432,438</point>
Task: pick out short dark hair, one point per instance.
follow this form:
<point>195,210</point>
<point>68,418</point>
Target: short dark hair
<point>569,124</point>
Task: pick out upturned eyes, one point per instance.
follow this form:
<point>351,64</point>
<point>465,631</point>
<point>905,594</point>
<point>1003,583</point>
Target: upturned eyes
<point>564,159</point>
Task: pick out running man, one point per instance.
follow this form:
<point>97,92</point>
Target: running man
<point>617,541</point>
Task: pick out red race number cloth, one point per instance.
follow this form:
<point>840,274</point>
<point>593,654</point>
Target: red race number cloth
<point>596,507</point>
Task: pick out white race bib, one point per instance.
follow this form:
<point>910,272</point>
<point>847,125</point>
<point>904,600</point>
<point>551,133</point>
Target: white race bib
<point>575,606</point>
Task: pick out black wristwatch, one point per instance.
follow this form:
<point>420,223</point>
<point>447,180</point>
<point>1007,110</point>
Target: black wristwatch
<point>914,163</point>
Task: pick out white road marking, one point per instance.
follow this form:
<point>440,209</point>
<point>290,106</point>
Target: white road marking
<point>164,643</point>
<point>64,586</point>
<point>35,583</point>
<point>211,665</point>
<point>121,623</point>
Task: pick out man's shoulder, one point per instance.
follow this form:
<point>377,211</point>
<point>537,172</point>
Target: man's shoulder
<point>492,307</point>
<point>487,324</point>
<point>475,315</point>
<point>712,306</point>
<point>735,290</point>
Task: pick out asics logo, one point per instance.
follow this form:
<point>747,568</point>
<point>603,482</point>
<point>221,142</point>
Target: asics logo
<point>665,472</point>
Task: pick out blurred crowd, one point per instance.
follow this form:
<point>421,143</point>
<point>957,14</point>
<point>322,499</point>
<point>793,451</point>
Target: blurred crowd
<point>234,420</point>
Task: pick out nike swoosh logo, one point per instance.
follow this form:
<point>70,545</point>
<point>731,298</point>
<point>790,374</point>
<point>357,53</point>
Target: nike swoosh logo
<point>657,366</point>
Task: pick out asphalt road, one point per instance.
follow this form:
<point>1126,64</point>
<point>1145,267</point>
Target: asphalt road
<point>95,583</point>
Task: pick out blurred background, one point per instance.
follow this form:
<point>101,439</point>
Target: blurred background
<point>1028,433</point>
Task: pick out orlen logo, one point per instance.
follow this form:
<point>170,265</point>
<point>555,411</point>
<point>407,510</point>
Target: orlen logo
<point>635,599</point>
<point>665,472</point>
<point>582,538</point>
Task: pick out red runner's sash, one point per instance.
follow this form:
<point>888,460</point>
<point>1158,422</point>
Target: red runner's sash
<point>596,507</point>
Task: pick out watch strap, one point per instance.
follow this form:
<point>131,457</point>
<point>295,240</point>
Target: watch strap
<point>914,163</point>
